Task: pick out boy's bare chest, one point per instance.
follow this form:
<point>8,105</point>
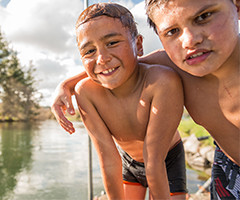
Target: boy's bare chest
<point>127,118</point>
<point>214,104</point>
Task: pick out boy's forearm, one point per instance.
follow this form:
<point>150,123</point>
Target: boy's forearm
<point>157,180</point>
<point>112,179</point>
<point>72,81</point>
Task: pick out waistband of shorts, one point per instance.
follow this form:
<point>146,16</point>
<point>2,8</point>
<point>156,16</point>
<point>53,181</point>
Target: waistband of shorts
<point>175,145</point>
<point>224,158</point>
<point>126,156</point>
<point>173,149</point>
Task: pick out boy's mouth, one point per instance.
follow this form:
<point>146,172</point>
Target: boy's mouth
<point>197,57</point>
<point>109,71</point>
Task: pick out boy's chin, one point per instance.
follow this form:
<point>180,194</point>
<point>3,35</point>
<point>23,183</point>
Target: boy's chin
<point>196,72</point>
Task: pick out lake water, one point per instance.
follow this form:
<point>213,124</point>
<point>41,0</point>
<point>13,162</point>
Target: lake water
<point>43,162</point>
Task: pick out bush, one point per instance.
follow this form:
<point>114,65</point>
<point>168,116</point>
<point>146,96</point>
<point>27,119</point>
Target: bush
<point>187,127</point>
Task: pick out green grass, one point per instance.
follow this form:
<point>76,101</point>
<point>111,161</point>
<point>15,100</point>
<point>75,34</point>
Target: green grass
<point>187,127</point>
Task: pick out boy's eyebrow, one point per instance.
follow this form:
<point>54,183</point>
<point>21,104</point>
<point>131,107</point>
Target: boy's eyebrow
<point>110,35</point>
<point>85,45</point>
<point>205,8</point>
<point>103,38</point>
<point>196,14</point>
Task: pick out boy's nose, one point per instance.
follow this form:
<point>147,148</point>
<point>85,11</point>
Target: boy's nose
<point>103,57</point>
<point>190,38</point>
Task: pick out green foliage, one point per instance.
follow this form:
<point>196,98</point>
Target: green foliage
<point>187,127</point>
<point>18,96</point>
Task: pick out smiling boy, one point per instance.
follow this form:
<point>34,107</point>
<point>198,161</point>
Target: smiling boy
<point>201,38</point>
<point>136,106</point>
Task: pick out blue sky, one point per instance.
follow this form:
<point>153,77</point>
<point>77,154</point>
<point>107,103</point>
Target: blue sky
<point>43,31</point>
<point>4,2</point>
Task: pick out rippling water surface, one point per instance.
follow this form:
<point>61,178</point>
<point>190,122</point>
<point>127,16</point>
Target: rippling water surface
<point>43,162</point>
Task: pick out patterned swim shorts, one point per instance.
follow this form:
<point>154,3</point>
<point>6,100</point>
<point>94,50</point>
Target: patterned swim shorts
<point>225,178</point>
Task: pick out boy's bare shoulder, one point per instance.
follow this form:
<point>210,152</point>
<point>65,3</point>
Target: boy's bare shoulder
<point>87,87</point>
<point>160,74</point>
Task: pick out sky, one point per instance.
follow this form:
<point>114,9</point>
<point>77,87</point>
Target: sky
<point>43,32</point>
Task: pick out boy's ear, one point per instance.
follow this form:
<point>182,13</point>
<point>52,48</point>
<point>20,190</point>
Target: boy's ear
<point>237,4</point>
<point>139,42</point>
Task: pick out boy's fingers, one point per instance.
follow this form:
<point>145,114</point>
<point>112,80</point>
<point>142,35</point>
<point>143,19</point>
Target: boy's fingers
<point>62,120</point>
<point>70,109</point>
<point>68,126</point>
<point>68,103</point>
<point>65,123</point>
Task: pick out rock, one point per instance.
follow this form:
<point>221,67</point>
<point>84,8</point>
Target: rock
<point>199,161</point>
<point>191,145</point>
<point>208,153</point>
<point>197,156</point>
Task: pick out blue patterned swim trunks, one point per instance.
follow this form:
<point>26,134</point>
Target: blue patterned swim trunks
<point>225,183</point>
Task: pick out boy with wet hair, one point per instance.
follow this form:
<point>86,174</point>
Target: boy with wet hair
<point>202,39</point>
<point>135,106</point>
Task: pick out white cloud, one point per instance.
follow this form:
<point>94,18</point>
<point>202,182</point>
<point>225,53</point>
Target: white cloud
<point>43,32</point>
<point>42,23</point>
<point>150,39</point>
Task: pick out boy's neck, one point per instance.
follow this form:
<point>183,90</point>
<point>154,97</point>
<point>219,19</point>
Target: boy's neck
<point>130,86</point>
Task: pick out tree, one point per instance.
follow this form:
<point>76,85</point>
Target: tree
<point>20,99</point>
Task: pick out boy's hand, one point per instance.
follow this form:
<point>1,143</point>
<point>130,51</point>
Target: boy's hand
<point>63,102</point>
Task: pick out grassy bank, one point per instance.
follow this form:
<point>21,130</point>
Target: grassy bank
<point>187,127</point>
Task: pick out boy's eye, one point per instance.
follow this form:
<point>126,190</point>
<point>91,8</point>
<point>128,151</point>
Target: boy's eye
<point>112,43</point>
<point>89,51</point>
<point>172,32</point>
<point>201,18</point>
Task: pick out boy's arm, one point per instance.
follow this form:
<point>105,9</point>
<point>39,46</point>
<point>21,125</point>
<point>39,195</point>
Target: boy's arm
<point>63,101</point>
<point>165,115</point>
<point>65,89</point>
<point>109,158</point>
<point>159,57</point>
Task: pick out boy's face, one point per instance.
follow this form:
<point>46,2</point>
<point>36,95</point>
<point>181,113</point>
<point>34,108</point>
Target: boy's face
<point>198,35</point>
<point>108,52</point>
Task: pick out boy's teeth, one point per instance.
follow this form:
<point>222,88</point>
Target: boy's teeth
<point>107,71</point>
<point>196,55</point>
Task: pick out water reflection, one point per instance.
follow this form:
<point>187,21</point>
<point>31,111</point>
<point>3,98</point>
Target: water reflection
<point>15,154</point>
<point>43,162</point>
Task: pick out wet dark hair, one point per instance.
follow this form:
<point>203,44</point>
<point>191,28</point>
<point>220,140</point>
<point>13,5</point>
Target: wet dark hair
<point>150,5</point>
<point>111,10</point>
